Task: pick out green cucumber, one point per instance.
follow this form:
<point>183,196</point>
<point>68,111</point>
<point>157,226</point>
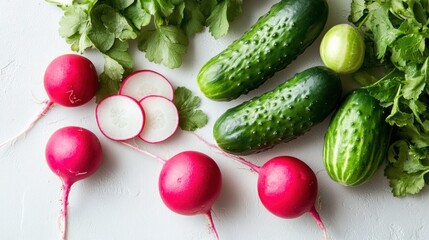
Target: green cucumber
<point>268,46</point>
<point>280,115</point>
<point>357,139</point>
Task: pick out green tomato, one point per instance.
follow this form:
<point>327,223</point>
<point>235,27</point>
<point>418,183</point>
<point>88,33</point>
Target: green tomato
<point>342,49</point>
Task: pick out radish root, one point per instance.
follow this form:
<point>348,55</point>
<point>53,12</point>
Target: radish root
<point>211,225</point>
<point>318,219</point>
<point>48,104</point>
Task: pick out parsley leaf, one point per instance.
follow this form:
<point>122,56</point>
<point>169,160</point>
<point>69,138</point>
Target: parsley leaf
<point>165,44</point>
<point>191,118</point>
<point>218,20</point>
<point>396,34</point>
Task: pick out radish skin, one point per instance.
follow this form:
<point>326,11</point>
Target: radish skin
<point>72,153</point>
<point>287,187</point>
<point>70,80</point>
<point>189,183</point>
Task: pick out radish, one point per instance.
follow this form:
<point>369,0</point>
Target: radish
<point>70,80</point>
<point>162,119</point>
<point>120,117</point>
<point>287,187</point>
<point>72,153</point>
<point>189,183</point>
<point>140,84</point>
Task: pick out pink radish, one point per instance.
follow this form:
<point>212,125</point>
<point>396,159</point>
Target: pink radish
<point>120,117</point>
<point>189,183</point>
<point>70,80</point>
<point>72,153</point>
<point>140,84</point>
<point>162,119</point>
<point>287,187</point>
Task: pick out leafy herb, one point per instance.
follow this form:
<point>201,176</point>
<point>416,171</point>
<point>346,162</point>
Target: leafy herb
<point>187,104</point>
<point>162,28</point>
<point>396,33</point>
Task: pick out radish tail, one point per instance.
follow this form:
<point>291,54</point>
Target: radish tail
<point>234,157</point>
<point>316,217</point>
<point>48,105</point>
<point>211,225</point>
<point>144,152</point>
<point>66,190</point>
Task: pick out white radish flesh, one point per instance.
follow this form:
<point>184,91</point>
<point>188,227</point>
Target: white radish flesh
<point>120,117</point>
<point>162,119</point>
<point>143,83</point>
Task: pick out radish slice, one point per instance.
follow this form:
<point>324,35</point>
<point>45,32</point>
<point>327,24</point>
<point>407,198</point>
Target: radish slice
<point>144,83</point>
<point>162,119</point>
<point>120,117</point>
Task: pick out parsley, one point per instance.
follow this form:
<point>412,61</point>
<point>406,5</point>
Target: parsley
<point>187,104</point>
<point>396,33</point>
<point>162,28</point>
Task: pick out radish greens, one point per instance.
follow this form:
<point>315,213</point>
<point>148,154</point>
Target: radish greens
<point>161,27</point>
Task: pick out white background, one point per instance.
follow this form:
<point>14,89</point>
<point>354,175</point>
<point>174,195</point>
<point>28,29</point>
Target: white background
<point>121,200</point>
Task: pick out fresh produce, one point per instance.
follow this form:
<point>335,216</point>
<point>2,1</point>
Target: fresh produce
<point>357,139</point>
<point>138,110</point>
<point>287,187</point>
<point>189,183</point>
<point>162,28</point>
<point>342,49</point>
<point>70,80</point>
<point>143,83</point>
<point>120,117</point>
<point>268,46</point>
<point>280,115</point>
<point>162,119</point>
<point>396,36</point>
<point>72,153</point>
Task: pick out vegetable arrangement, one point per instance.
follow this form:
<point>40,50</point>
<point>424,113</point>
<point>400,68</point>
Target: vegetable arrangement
<point>161,27</point>
<point>386,119</point>
<point>395,34</point>
<point>268,46</point>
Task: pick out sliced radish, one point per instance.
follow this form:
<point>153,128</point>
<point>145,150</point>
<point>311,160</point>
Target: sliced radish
<point>162,119</point>
<point>120,117</point>
<point>143,83</point>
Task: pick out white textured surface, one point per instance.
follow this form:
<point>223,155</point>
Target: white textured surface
<point>121,200</point>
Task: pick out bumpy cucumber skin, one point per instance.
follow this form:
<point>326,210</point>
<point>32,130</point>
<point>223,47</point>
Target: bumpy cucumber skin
<point>357,139</point>
<point>270,45</point>
<point>280,115</point>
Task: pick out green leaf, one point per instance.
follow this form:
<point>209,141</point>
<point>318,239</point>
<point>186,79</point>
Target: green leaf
<point>166,45</point>
<point>403,184</point>
<point>218,21</point>
<point>121,4</point>
<point>234,9</point>
<point>207,6</point>
<point>191,118</point>
<point>193,19</point>
<point>107,87</point>
<point>357,10</point>
<point>386,89</point>
<point>177,15</point>
<point>138,15</point>
<point>117,24</point>
<point>119,52</point>
<point>100,36</point>
<point>379,24</point>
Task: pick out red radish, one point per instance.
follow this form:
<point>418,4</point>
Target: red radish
<point>189,183</point>
<point>140,84</point>
<point>70,80</point>
<point>162,119</point>
<point>72,153</point>
<point>120,117</point>
<point>287,186</point>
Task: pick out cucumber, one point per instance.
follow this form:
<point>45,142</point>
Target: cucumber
<point>357,139</point>
<point>268,46</point>
<point>280,115</point>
